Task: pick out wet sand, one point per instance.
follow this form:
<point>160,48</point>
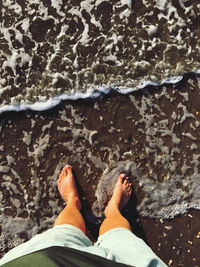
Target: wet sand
<point>90,135</point>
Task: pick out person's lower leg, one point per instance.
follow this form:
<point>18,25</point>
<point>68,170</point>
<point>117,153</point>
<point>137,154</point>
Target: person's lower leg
<point>71,213</point>
<point>120,198</point>
<point>114,221</point>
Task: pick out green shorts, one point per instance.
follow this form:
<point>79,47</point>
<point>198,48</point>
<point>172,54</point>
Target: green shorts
<point>119,245</point>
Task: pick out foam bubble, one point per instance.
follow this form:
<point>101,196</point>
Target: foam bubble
<point>107,183</point>
<point>79,51</point>
<point>161,200</point>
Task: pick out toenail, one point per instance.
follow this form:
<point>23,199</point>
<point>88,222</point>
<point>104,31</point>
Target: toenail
<point>67,166</point>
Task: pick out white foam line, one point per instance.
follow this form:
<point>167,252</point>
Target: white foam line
<point>92,93</point>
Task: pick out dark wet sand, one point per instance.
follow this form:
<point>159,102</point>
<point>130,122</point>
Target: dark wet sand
<point>174,241</point>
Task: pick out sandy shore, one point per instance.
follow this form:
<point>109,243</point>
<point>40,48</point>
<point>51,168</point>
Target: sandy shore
<point>95,135</point>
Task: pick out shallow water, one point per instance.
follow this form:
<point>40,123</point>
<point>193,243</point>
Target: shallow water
<point>77,49</point>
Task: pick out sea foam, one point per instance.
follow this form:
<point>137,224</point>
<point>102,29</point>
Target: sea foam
<point>57,51</point>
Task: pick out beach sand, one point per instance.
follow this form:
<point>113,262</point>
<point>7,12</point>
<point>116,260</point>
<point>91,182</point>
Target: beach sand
<point>93,135</point>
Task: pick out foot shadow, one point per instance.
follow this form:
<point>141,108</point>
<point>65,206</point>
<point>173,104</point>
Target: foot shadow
<point>131,214</point>
<point>91,221</point>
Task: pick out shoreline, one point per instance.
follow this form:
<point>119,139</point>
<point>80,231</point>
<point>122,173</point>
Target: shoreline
<point>94,94</point>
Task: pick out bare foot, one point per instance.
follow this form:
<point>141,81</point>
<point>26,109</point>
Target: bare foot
<point>67,186</point>
<point>121,194</point>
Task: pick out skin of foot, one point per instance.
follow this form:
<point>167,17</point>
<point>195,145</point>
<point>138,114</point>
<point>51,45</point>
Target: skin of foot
<point>121,195</point>
<point>67,186</point>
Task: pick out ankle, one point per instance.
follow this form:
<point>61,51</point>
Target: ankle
<point>73,200</point>
<point>112,210</point>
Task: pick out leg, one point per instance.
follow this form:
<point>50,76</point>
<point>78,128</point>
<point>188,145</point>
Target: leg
<point>67,188</point>
<point>124,245</point>
<point>120,198</point>
<point>63,236</point>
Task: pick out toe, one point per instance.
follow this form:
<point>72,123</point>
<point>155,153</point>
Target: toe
<point>121,177</point>
<point>69,167</point>
<point>129,185</point>
<point>126,181</point>
<point>129,189</point>
<point>63,172</point>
